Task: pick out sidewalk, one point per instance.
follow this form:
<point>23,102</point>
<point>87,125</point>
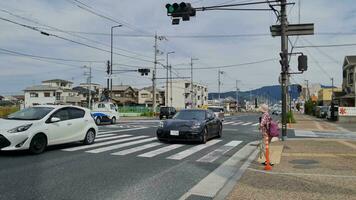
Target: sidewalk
<point>308,169</point>
<point>305,122</point>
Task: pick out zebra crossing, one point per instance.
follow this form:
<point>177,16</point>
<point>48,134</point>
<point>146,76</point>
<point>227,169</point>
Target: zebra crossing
<point>143,146</point>
<point>318,134</point>
<point>242,123</point>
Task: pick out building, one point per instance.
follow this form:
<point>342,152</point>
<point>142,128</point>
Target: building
<point>83,92</point>
<point>145,96</point>
<point>1,98</point>
<point>325,96</point>
<point>54,91</point>
<point>124,95</point>
<point>347,98</point>
<point>181,96</point>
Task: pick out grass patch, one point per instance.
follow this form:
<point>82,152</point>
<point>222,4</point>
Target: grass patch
<point>5,111</point>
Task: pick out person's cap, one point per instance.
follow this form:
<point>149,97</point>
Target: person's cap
<point>264,108</point>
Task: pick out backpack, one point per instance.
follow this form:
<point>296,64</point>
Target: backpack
<point>273,129</point>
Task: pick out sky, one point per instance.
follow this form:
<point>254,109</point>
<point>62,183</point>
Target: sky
<point>81,38</point>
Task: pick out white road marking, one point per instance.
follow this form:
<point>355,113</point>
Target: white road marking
<point>192,150</point>
<point>118,146</point>
<point>256,124</point>
<point>160,151</point>
<point>302,133</point>
<point>248,123</point>
<point>228,123</point>
<point>217,153</point>
<point>104,135</point>
<point>104,143</point>
<point>108,138</point>
<point>136,149</point>
<point>131,129</point>
<point>238,123</point>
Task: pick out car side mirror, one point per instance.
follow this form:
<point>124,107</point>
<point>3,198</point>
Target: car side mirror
<point>55,119</point>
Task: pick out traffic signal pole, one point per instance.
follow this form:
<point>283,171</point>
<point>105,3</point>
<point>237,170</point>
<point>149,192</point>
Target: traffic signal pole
<point>284,73</point>
<point>154,77</point>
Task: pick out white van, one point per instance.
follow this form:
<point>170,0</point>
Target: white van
<point>105,112</point>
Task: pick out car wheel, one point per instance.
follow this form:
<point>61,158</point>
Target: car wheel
<point>38,144</point>
<point>220,131</point>
<point>97,121</point>
<point>204,136</point>
<point>113,120</point>
<point>89,137</point>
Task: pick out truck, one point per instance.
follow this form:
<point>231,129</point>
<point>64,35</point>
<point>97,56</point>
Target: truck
<point>105,112</point>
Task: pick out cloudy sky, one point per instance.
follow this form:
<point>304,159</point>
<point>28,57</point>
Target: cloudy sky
<point>215,38</point>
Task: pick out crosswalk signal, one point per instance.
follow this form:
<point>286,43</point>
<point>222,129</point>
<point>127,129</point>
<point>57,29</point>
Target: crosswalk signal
<point>302,63</point>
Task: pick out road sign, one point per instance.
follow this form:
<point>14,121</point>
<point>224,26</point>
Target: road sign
<point>293,29</point>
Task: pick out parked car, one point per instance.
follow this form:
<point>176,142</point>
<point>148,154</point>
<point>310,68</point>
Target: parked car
<point>322,113</point>
<point>37,127</point>
<point>167,112</point>
<point>105,112</point>
<point>336,113</point>
<point>218,111</point>
<point>190,125</point>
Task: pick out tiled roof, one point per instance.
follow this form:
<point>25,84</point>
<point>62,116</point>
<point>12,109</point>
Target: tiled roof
<point>41,88</point>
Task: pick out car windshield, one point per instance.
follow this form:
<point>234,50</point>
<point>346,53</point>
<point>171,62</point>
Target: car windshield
<point>34,113</point>
<point>164,109</point>
<point>190,115</point>
<point>216,109</point>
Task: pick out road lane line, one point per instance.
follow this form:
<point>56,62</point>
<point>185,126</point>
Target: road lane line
<point>131,129</point>
<point>256,124</point>
<point>104,135</point>
<point>136,149</point>
<point>156,152</point>
<point>228,123</point>
<point>237,123</point>
<point>108,138</point>
<point>192,150</point>
<point>118,146</point>
<point>217,153</point>
<point>248,123</point>
<point>104,143</point>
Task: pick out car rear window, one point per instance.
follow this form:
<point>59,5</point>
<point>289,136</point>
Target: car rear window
<point>216,109</point>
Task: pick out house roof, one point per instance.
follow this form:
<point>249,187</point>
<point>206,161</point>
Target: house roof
<point>121,87</point>
<point>56,80</point>
<point>350,60</point>
<point>83,90</point>
<point>41,88</point>
<point>150,89</point>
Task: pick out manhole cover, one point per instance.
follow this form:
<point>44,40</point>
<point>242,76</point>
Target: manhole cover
<point>304,162</point>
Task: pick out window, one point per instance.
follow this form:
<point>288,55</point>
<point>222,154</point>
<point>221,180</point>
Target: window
<point>62,114</point>
<point>351,78</point>
<point>47,94</point>
<point>33,94</point>
<point>101,105</point>
<point>144,95</point>
<point>76,113</point>
<point>58,96</point>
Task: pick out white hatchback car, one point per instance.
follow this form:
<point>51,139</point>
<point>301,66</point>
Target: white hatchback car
<point>37,127</point>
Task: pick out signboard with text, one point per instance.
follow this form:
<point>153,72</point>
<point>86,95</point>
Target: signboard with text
<point>347,111</point>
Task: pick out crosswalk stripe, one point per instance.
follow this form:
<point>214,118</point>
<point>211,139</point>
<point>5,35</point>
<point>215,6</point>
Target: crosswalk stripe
<point>104,143</point>
<point>192,150</point>
<point>217,153</point>
<point>237,123</point>
<point>160,151</point>
<point>136,149</point>
<point>108,138</point>
<point>104,135</point>
<point>248,123</point>
<point>118,146</point>
<point>256,124</point>
<point>228,122</point>
<point>132,129</point>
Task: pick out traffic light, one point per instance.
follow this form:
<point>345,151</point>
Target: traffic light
<point>284,61</point>
<point>108,67</point>
<point>182,10</point>
<point>144,72</point>
<point>302,63</point>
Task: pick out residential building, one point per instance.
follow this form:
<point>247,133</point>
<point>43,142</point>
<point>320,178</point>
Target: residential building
<point>83,92</point>
<point>124,95</point>
<point>54,91</point>
<point>181,96</point>
<point>325,95</point>
<point>348,98</point>
<point>145,96</point>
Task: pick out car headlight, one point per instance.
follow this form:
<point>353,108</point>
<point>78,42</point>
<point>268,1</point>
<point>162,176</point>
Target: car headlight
<point>161,124</point>
<point>196,125</point>
<point>20,128</point>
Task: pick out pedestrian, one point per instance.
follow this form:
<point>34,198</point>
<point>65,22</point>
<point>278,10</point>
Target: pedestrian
<point>265,121</point>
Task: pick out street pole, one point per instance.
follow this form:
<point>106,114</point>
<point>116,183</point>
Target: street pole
<point>191,81</point>
<point>167,69</point>
<point>154,77</point>
<point>170,76</point>
<point>284,74</point>
<point>111,59</point>
<point>308,91</point>
<point>237,95</point>
<point>332,114</point>
<point>89,104</point>
<point>219,83</point>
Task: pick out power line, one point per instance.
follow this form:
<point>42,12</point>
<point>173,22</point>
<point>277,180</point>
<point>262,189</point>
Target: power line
<point>73,41</point>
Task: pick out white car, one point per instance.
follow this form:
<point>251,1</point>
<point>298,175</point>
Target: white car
<point>105,112</point>
<point>218,111</point>
<point>37,127</point>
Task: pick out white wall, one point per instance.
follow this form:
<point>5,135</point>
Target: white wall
<point>41,99</point>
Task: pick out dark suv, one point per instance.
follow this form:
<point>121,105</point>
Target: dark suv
<point>167,112</point>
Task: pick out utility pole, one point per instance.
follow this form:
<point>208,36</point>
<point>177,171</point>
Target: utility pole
<point>89,77</point>
<point>219,85</point>
<point>170,76</point>
<point>167,69</point>
<point>154,77</point>
<point>332,114</point>
<point>191,82</point>
<point>111,55</point>
<point>308,91</point>
<point>284,73</point>
<point>237,95</point>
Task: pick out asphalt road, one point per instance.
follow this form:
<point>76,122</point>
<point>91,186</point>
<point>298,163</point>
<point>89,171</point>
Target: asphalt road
<point>141,167</point>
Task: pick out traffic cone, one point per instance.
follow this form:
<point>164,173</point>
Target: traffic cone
<point>268,166</point>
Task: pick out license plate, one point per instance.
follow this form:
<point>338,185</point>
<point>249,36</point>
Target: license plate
<point>175,133</point>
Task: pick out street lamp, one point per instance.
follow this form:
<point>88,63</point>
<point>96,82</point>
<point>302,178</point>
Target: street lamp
<point>111,53</point>
<point>167,67</point>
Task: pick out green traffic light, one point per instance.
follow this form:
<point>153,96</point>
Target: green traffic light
<point>170,9</point>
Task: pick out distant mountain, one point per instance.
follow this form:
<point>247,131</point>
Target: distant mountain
<point>272,93</point>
